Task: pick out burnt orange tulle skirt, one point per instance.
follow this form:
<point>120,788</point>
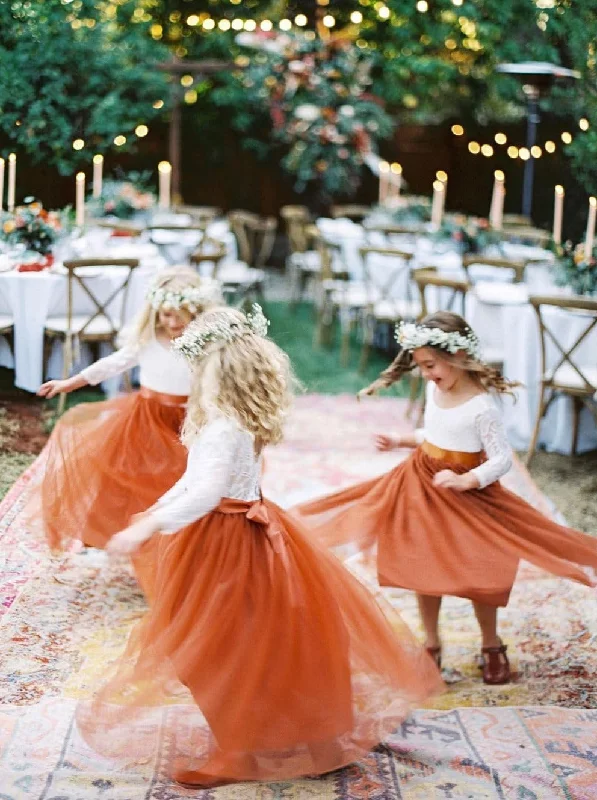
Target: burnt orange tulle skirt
<point>261,658</point>
<point>441,542</point>
<point>105,462</point>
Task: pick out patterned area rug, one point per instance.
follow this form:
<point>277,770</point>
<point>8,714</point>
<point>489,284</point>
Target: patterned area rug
<point>62,621</point>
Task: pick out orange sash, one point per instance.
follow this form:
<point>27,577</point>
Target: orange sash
<point>163,398</point>
<point>470,460</point>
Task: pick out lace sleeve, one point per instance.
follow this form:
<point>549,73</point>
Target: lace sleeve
<point>110,366</point>
<point>206,479</point>
<point>492,433</point>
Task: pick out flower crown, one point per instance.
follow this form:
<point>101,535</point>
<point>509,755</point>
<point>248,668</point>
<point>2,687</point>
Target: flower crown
<point>194,341</point>
<point>411,336</point>
<point>191,297</point>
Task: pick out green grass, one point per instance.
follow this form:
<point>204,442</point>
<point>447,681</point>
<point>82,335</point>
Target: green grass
<point>319,369</point>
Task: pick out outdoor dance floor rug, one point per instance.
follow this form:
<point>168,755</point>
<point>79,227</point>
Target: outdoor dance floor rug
<point>62,621</point>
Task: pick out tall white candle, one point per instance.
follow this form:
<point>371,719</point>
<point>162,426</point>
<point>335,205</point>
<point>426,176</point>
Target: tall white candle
<point>1,183</point>
<point>165,173</point>
<point>558,213</point>
<point>395,182</point>
<point>591,227</point>
<point>98,168</point>
<point>437,207</point>
<point>12,181</point>
<point>80,199</point>
<point>496,212</point>
<point>384,175</point>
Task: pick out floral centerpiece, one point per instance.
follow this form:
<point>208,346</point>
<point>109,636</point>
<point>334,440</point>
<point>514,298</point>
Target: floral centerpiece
<point>471,234</point>
<point>33,227</point>
<point>574,269</point>
<point>124,197</point>
<point>323,114</point>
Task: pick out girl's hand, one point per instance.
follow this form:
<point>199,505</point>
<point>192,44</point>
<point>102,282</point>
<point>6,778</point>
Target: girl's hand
<point>385,443</point>
<point>130,539</point>
<point>50,389</point>
<point>446,479</point>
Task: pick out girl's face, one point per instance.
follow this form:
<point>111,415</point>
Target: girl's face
<point>437,369</point>
<point>173,321</point>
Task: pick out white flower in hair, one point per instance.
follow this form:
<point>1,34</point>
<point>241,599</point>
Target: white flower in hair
<point>411,336</point>
<point>191,297</point>
<point>197,337</point>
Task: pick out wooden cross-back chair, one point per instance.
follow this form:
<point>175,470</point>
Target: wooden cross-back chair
<point>209,251</point>
<point>297,219</point>
<point>334,292</point>
<point>383,305</point>
<point>450,295</point>
<point>515,268</point>
<point>352,211</point>
<point>120,227</point>
<point>526,235</point>
<point>451,292</point>
<point>96,326</point>
<point>255,236</point>
<point>568,377</point>
<point>7,328</point>
<point>200,215</point>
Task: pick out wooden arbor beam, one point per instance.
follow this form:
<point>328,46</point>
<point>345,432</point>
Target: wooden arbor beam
<point>175,68</point>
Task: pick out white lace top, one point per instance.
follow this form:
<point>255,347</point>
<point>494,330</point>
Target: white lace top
<point>471,427</point>
<point>221,463</point>
<point>161,368</point>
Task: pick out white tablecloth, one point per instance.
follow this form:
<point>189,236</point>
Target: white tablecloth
<point>30,297</point>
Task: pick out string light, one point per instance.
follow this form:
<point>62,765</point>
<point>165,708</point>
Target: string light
<point>501,138</point>
<point>441,176</point>
<point>423,6</point>
<point>250,25</point>
<point>209,24</point>
<point>512,151</point>
<point>119,141</point>
<point>536,151</point>
<point>383,12</point>
<point>487,150</point>
<point>583,124</point>
<point>237,24</point>
<point>550,146</point>
<point>524,153</point>
<point>566,137</point>
<point>457,2</point>
<point>78,144</point>
<point>285,24</point>
<point>190,96</point>
<point>158,104</point>
<point>266,25</point>
<point>356,17</point>
<point>224,24</point>
<point>329,21</point>
<point>193,20</point>
<point>474,148</point>
<point>457,130</point>
<point>300,20</point>
<point>395,168</point>
<point>186,80</point>
<point>141,131</point>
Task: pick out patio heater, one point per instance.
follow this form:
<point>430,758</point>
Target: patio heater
<point>537,78</point>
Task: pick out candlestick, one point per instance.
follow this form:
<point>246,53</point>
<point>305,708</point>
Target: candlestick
<point>437,207</point>
<point>496,211</point>
<point>558,213</point>
<point>12,181</point>
<point>80,199</point>
<point>165,175</point>
<point>98,167</point>
<point>591,227</point>
<point>1,183</point>
<point>384,174</point>
<point>395,183</point>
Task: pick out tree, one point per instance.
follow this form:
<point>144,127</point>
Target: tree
<point>68,72</point>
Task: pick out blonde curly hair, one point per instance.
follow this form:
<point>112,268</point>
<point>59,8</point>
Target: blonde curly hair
<point>248,379</point>
<point>147,324</point>
<point>485,376</point>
